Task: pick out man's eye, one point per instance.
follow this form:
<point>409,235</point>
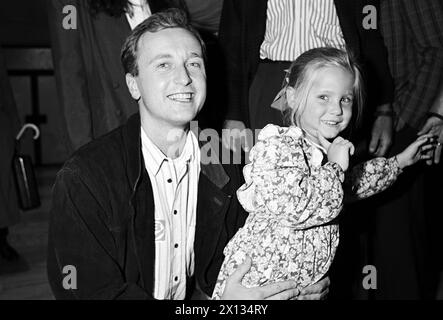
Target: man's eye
<point>195,64</point>
<point>323,97</point>
<point>163,65</point>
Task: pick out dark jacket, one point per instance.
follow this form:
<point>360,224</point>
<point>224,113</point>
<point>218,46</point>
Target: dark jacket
<point>102,220</point>
<point>242,30</point>
<point>91,82</point>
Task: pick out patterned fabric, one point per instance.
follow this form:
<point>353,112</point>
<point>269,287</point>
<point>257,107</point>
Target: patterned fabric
<point>293,27</point>
<point>413,34</point>
<point>292,200</point>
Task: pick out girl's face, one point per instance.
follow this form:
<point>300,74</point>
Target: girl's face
<point>329,104</point>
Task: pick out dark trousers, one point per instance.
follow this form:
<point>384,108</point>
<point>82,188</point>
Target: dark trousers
<point>390,231</point>
<point>265,86</point>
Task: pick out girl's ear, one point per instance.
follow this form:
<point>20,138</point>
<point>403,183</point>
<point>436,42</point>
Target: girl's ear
<point>290,96</point>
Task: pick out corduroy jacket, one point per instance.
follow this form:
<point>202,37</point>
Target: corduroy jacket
<point>102,221</point>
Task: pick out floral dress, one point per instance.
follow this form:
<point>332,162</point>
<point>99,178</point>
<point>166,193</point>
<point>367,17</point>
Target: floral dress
<point>292,200</point>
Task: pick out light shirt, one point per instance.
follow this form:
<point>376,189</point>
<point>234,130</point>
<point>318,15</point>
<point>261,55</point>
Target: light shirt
<point>296,26</point>
<point>140,12</point>
<point>174,185</point>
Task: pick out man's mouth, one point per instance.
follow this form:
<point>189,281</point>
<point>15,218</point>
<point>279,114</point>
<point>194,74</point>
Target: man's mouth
<point>181,97</point>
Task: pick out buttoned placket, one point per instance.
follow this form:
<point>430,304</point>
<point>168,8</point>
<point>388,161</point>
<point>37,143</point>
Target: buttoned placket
<point>177,220</point>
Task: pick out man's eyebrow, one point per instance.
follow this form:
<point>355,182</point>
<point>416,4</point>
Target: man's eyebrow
<point>196,55</point>
<point>160,56</point>
<point>167,55</point>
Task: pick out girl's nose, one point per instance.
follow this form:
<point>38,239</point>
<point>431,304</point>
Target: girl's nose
<point>335,108</point>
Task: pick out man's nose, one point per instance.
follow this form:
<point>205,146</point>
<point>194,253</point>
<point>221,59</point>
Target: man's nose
<point>182,76</point>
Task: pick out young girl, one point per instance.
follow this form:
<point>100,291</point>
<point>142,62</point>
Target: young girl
<point>296,181</point>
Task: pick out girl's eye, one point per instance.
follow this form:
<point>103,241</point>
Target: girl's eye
<point>346,100</point>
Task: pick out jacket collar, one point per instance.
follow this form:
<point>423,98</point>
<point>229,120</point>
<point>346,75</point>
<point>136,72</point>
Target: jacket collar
<point>134,162</point>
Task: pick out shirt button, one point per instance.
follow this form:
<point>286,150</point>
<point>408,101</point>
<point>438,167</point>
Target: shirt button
<point>176,279</point>
<point>176,245</point>
<point>175,211</point>
<point>169,180</point>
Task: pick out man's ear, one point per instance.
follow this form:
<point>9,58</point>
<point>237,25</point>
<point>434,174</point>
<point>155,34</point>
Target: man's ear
<point>132,86</point>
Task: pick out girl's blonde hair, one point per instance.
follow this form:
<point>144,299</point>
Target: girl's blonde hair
<point>302,74</point>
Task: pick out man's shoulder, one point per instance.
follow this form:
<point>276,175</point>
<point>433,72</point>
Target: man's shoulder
<point>102,155</point>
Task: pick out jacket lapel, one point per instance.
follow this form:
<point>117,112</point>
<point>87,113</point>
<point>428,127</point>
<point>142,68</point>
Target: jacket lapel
<point>142,203</point>
<point>212,205</point>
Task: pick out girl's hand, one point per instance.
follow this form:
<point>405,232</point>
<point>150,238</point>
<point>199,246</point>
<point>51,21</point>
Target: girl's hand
<point>418,150</point>
<point>338,151</point>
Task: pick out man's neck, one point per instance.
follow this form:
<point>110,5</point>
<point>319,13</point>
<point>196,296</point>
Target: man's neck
<point>169,139</point>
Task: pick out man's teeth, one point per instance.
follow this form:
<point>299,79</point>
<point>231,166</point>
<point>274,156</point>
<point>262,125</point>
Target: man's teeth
<point>181,97</point>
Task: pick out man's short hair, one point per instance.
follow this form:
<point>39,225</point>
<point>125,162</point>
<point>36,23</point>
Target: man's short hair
<point>170,18</point>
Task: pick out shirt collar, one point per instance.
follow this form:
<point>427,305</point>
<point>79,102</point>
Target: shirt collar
<point>155,157</point>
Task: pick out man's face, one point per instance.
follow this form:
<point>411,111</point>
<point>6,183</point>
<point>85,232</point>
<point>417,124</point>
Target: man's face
<point>171,83</point>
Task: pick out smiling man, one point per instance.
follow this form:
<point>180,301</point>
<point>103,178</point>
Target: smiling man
<point>136,214</point>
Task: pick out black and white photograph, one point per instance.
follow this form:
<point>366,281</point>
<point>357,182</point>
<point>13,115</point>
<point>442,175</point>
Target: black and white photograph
<point>212,150</point>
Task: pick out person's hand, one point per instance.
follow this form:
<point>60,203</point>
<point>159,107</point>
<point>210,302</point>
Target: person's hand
<point>317,291</point>
<point>434,126</point>
<point>235,136</point>
<point>338,151</point>
<point>416,151</point>
<point>234,290</point>
<point>381,135</point>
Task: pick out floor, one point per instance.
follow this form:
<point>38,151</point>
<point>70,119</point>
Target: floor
<point>26,279</point>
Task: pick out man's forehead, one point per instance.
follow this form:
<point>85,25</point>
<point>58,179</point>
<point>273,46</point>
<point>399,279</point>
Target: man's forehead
<point>170,38</point>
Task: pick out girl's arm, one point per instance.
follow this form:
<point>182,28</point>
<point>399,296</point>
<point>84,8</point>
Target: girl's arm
<point>371,177</point>
<point>378,174</point>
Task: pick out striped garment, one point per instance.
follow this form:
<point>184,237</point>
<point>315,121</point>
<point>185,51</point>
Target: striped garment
<point>295,26</point>
<point>413,34</point>
<point>174,185</point>
<point>140,12</point>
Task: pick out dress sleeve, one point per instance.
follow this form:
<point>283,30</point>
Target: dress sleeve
<point>372,177</point>
<point>280,184</point>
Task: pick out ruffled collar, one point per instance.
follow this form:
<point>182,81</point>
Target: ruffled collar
<point>317,151</point>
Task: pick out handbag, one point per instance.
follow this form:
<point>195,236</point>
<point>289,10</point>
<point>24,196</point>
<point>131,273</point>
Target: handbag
<point>27,188</point>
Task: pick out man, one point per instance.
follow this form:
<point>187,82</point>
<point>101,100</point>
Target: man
<point>90,80</point>
<point>262,37</point>
<point>400,244</point>
<point>139,213</point>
